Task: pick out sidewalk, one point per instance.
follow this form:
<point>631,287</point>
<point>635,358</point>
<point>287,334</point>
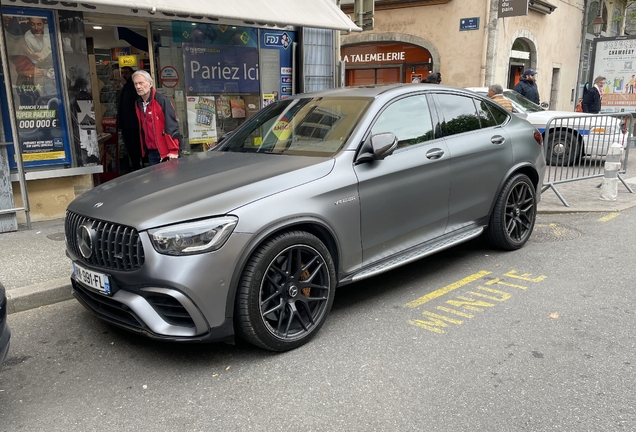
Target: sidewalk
<point>36,272</point>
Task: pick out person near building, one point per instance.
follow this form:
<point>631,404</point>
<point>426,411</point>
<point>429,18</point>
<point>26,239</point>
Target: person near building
<point>527,86</point>
<point>592,98</point>
<point>158,123</point>
<point>127,121</point>
<point>434,78</point>
<point>495,92</point>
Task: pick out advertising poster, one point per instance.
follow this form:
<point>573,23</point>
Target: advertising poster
<point>281,44</point>
<point>201,120</point>
<point>221,69</point>
<point>615,59</point>
<point>35,78</point>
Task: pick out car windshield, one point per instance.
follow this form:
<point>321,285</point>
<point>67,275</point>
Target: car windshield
<point>525,104</point>
<point>312,126</point>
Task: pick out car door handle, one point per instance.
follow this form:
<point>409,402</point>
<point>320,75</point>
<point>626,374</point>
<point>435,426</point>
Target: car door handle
<point>497,139</point>
<point>435,153</point>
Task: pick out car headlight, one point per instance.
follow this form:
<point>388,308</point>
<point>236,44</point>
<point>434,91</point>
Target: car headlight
<point>193,237</point>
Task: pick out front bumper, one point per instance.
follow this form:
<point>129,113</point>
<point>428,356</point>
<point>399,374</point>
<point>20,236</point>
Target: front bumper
<point>182,298</point>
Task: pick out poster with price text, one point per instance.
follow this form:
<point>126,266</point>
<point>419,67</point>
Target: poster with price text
<point>37,94</point>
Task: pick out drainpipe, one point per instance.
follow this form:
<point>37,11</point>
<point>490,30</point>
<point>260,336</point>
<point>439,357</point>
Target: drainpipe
<point>489,50</point>
<point>582,53</point>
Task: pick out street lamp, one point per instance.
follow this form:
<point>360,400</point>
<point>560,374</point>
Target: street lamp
<point>597,24</point>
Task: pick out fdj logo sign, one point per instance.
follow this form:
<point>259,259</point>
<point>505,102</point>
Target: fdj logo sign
<point>278,40</point>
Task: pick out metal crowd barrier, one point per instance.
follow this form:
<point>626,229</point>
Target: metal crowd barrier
<point>576,146</point>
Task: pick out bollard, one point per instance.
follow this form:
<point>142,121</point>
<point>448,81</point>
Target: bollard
<point>609,187</point>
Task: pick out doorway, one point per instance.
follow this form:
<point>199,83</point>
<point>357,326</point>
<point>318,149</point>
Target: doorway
<point>112,48</point>
<point>360,77</point>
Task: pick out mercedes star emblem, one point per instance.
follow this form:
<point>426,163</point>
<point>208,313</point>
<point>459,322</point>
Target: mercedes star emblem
<point>85,239</point>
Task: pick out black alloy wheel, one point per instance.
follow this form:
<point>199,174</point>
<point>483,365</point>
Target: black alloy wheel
<point>514,214</point>
<point>286,291</point>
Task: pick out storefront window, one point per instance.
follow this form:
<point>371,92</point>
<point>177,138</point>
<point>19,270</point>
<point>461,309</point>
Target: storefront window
<point>218,76</point>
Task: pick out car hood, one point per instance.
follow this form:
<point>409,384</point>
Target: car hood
<point>198,186</point>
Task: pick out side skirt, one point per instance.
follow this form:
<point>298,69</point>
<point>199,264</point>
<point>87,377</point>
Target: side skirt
<point>413,254</point>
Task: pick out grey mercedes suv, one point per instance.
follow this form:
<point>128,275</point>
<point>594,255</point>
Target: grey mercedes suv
<point>313,192</point>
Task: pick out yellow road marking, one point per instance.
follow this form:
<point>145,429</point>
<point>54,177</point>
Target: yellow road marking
<point>440,292</point>
<point>608,217</point>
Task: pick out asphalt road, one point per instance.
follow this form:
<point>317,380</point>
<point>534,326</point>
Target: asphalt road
<point>471,339</point>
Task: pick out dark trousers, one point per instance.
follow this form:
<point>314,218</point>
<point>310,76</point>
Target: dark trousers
<point>153,156</point>
<point>133,145</point>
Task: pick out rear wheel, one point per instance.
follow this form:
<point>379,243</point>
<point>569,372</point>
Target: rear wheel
<point>513,217</point>
<point>286,291</point>
<point>563,149</point>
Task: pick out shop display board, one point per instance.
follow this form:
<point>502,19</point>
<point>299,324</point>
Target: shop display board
<point>35,77</point>
<point>202,120</point>
<point>278,45</point>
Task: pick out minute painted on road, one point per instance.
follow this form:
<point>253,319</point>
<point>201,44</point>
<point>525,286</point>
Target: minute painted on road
<point>465,299</point>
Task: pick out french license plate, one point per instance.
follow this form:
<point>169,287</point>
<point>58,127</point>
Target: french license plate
<point>97,281</point>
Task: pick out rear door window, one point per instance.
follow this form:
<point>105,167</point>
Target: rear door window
<point>458,113</point>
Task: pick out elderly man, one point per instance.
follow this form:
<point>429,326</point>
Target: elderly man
<point>158,123</point>
<point>495,92</point>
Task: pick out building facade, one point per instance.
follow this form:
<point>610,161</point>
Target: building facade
<point>472,46</point>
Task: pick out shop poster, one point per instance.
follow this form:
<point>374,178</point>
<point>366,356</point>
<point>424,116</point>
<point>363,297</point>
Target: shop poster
<point>282,42</point>
<point>615,59</point>
<point>35,77</point>
<point>201,120</point>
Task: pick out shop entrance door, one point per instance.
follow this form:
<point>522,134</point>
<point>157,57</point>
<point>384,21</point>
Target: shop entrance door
<point>358,77</point>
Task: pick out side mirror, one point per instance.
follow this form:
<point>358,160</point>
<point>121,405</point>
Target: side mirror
<point>378,147</point>
<point>545,105</point>
<point>384,144</point>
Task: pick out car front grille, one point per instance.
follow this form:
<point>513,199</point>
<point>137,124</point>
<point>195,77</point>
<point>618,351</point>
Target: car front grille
<point>114,246</point>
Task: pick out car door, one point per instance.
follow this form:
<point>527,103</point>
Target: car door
<point>481,155</point>
<point>404,198</point>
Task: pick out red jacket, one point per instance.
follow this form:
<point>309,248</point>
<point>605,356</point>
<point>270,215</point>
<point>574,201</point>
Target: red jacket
<point>158,126</point>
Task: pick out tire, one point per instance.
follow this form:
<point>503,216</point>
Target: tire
<point>563,149</point>
<point>514,214</point>
<point>286,292</point>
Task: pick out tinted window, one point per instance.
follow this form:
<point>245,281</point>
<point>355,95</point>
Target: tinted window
<point>459,114</point>
<point>409,119</point>
<point>485,116</point>
<point>499,114</point>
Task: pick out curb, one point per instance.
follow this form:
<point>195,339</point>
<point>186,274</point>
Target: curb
<point>40,294</point>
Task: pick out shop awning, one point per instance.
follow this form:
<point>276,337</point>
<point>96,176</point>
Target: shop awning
<point>324,14</point>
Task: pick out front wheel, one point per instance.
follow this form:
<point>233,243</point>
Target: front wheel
<point>513,217</point>
<point>286,291</point>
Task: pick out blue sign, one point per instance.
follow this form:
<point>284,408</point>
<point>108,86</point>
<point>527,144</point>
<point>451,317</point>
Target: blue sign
<point>468,24</point>
<point>221,69</point>
<point>277,40</point>
<point>34,74</point>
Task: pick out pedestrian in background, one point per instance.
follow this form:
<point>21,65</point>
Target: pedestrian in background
<point>592,99</point>
<point>160,138</point>
<point>527,86</point>
<point>127,121</point>
<point>434,78</point>
<point>495,92</point>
